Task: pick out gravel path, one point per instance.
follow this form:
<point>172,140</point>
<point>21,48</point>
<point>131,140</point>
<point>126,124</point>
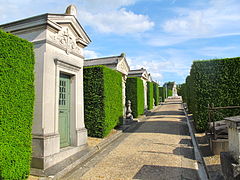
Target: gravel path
<point>160,148</point>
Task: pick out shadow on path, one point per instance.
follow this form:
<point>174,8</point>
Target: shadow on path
<point>185,149</point>
<point>169,113</point>
<point>165,127</point>
<point>151,172</point>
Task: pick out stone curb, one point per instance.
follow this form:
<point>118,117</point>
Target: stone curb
<point>96,149</point>
<point>202,172</point>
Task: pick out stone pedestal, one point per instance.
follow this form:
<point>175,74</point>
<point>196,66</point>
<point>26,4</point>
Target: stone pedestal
<point>230,161</point>
<point>218,145</point>
<point>233,124</point>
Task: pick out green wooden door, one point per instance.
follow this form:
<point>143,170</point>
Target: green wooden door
<point>64,110</point>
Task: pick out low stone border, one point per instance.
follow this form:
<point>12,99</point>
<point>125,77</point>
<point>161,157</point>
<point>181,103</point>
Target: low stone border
<point>202,172</point>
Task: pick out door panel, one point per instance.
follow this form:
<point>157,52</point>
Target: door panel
<point>64,110</point>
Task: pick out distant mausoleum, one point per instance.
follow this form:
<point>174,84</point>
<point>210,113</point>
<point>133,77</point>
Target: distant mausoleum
<point>118,63</point>
<point>146,77</point>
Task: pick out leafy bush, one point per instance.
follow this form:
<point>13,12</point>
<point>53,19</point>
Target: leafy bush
<point>150,95</point>
<point>214,81</point>
<point>156,94</point>
<point>135,93</point>
<point>103,108</point>
<point>16,106</point>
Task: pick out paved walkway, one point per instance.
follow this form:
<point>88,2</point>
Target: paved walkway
<point>160,148</point>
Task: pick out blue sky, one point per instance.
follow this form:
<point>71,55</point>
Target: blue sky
<point>163,36</point>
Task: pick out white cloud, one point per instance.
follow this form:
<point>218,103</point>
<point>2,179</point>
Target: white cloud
<point>174,63</point>
<point>89,54</point>
<point>195,24</point>
<point>105,16</point>
<point>217,18</point>
<point>118,21</point>
<point>157,75</point>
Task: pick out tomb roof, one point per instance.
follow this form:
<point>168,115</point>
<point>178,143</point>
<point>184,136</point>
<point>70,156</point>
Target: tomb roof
<point>115,62</point>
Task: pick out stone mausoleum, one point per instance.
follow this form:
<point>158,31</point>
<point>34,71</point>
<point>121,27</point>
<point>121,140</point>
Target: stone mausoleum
<point>146,77</point>
<point>118,63</point>
<point>59,133</point>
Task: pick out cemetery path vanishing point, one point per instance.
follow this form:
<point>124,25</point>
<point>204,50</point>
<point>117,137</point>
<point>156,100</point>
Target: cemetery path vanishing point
<point>159,148</point>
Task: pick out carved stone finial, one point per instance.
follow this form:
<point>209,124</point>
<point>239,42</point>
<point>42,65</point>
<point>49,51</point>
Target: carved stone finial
<point>71,10</point>
<point>123,55</point>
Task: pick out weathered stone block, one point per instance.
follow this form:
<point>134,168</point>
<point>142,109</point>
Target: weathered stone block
<point>230,168</point>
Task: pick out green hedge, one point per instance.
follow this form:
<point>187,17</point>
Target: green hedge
<point>156,94</point>
<point>162,93</point>
<point>169,92</point>
<point>214,81</point>
<point>135,93</point>
<point>16,106</point>
<point>150,95</point>
<point>103,108</point>
<point>160,90</point>
<point>181,89</point>
<point>189,95</point>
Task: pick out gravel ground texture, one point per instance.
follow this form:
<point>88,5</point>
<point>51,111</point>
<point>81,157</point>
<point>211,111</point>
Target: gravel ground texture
<point>158,148</point>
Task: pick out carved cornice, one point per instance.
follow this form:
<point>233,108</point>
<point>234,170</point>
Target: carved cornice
<point>67,66</point>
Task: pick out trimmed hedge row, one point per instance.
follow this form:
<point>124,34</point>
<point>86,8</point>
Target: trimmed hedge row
<point>150,95</point>
<point>16,106</point>
<point>181,89</point>
<point>135,93</point>
<point>188,93</point>
<point>161,95</point>
<point>214,81</point>
<point>162,91</point>
<point>103,108</point>
<point>169,92</point>
<point>156,94</point>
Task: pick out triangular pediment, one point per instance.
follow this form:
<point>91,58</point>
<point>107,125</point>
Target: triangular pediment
<point>145,75</point>
<point>69,22</point>
<point>123,66</point>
